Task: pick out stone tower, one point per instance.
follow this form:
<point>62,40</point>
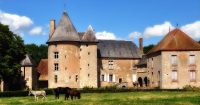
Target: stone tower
<point>88,59</point>
<point>29,72</point>
<point>64,55</point>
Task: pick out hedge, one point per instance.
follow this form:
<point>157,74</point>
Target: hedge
<point>86,90</point>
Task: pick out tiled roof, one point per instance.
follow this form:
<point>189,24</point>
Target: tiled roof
<point>176,40</point>
<point>65,31</point>
<point>27,61</point>
<point>42,68</point>
<point>118,49</point>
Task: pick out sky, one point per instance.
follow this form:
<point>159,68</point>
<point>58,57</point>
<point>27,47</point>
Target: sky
<point>111,19</point>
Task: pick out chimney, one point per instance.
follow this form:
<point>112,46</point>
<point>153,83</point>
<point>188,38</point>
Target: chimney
<point>141,44</point>
<point>52,27</point>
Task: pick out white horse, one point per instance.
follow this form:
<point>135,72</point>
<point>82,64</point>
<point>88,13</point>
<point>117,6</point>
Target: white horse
<point>38,93</point>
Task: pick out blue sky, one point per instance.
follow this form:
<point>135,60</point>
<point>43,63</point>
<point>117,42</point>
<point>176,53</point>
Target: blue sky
<point>111,19</point>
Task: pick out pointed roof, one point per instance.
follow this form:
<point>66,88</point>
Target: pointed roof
<point>65,31</point>
<point>27,61</point>
<point>176,40</point>
<point>42,68</point>
<point>89,35</point>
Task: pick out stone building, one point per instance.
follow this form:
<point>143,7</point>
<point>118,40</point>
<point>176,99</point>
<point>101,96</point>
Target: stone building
<point>29,72</point>
<point>78,59</point>
<point>174,62</point>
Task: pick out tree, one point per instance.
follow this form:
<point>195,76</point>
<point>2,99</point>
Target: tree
<point>148,48</point>
<point>12,52</point>
<point>37,52</point>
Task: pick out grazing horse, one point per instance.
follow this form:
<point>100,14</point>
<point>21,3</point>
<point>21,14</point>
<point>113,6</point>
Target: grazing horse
<point>68,93</point>
<point>74,93</point>
<point>61,90</point>
<point>37,93</point>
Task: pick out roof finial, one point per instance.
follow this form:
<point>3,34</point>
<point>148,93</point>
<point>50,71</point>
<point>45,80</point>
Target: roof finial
<point>90,27</point>
<point>64,7</point>
<point>177,25</point>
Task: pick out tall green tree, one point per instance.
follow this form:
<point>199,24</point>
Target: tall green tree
<point>148,48</point>
<point>37,52</point>
<point>12,52</point>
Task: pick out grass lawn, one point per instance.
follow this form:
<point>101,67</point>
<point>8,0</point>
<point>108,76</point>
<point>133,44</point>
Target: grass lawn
<point>126,98</point>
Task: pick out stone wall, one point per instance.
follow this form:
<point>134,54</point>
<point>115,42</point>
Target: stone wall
<point>68,73</point>
<point>122,69</point>
<point>88,65</point>
<point>183,69</point>
<point>30,76</point>
<point>154,65</point>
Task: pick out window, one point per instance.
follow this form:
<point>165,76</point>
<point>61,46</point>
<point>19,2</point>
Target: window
<point>151,62</point>
<point>174,75</point>
<point>110,64</point>
<point>192,75</point>
<point>102,77</point>
<point>110,78</point>
<point>55,78</point>
<point>56,66</point>
<point>174,59</point>
<point>88,75</point>
<point>56,55</point>
<point>192,59</point>
<point>76,78</point>
<point>88,53</point>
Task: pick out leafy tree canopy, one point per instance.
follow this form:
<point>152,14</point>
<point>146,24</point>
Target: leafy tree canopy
<point>12,52</point>
<point>37,52</point>
<point>148,48</point>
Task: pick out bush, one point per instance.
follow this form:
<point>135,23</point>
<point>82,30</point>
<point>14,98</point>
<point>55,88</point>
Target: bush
<point>13,93</point>
<point>191,88</point>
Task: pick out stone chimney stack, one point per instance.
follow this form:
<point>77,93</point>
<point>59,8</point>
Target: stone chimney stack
<point>141,44</point>
<point>52,27</point>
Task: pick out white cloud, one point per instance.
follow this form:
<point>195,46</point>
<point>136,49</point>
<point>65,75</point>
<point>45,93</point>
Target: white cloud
<point>135,35</point>
<point>158,30</point>
<point>106,35</point>
<point>18,24</point>
<point>36,31</point>
<point>192,29</point>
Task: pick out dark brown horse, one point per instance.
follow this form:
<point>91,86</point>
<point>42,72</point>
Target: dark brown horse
<point>74,93</point>
<point>68,92</point>
<point>61,90</point>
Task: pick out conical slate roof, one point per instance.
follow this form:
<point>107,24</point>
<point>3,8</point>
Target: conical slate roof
<point>176,40</point>
<point>89,36</point>
<point>65,31</point>
<point>27,61</point>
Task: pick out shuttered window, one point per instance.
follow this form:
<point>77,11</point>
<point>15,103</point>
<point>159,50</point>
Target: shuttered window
<point>174,75</point>
<point>174,59</point>
<point>192,59</point>
<point>192,75</point>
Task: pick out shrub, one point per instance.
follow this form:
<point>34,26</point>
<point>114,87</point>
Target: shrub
<point>13,93</point>
<point>191,88</point>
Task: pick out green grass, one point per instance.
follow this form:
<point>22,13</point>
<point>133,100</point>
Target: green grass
<point>126,98</point>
